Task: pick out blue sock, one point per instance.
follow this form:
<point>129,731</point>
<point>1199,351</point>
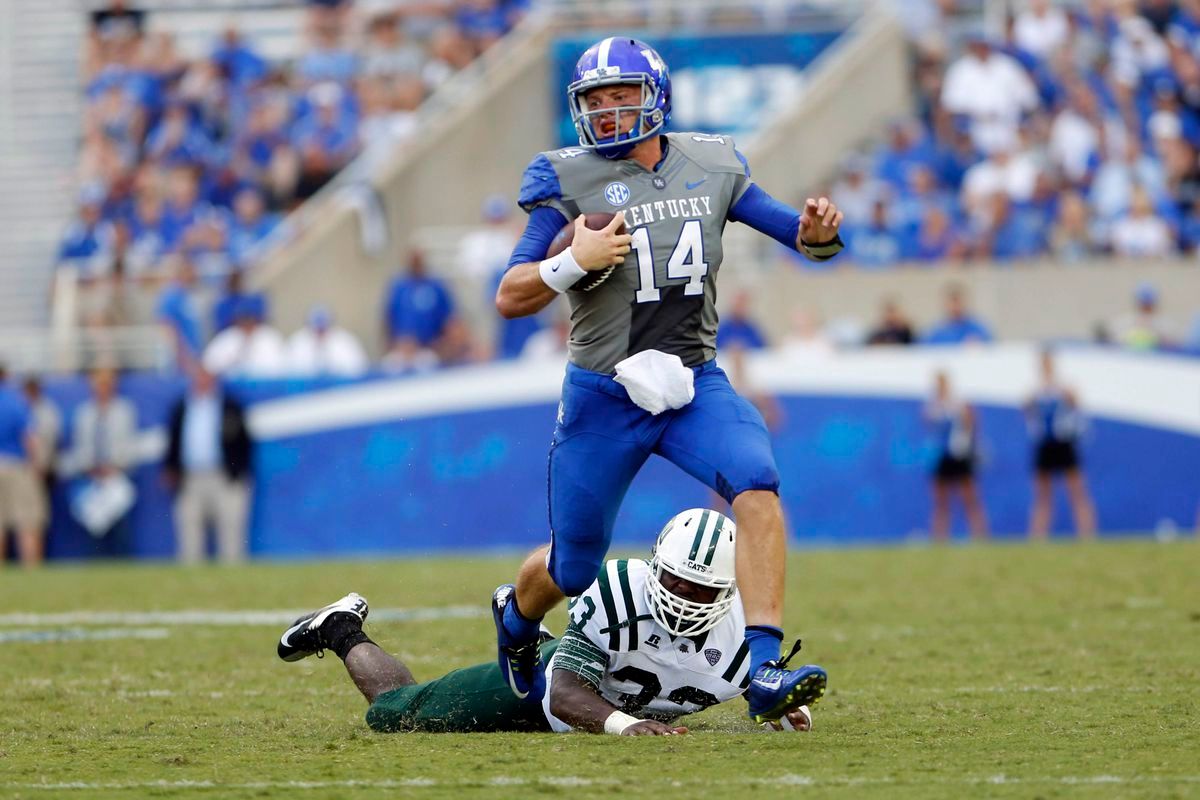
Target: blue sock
<point>764,641</point>
<point>517,625</point>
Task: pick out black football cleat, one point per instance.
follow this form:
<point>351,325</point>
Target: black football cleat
<point>303,639</point>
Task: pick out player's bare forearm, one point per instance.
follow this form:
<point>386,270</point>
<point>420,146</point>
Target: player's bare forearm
<point>575,702</point>
<point>523,292</point>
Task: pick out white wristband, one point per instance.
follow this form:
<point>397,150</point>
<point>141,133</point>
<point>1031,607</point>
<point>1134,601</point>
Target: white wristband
<point>560,272</point>
<point>618,721</point>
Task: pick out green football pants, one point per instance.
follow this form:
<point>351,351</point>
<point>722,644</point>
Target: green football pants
<point>469,700</point>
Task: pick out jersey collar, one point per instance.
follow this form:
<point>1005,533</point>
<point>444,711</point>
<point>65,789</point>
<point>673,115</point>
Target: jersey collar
<point>632,167</point>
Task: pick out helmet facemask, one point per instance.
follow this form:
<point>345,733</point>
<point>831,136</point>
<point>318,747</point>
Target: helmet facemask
<point>649,119</point>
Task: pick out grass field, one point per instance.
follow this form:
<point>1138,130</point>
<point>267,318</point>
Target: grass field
<point>1000,671</point>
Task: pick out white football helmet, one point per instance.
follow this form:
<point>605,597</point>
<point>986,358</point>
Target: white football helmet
<point>698,546</point>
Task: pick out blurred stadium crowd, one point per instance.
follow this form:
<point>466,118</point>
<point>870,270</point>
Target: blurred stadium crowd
<point>196,161</point>
<point>1074,135</point>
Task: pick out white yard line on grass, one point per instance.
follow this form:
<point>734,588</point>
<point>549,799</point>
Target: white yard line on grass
<point>81,634</point>
<point>241,617</point>
<point>576,781</point>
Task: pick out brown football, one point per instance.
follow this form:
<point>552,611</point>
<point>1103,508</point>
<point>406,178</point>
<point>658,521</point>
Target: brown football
<point>562,240</point>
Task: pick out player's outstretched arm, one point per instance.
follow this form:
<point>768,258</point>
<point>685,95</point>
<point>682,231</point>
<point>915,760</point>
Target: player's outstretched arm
<point>528,288</point>
<point>575,702</point>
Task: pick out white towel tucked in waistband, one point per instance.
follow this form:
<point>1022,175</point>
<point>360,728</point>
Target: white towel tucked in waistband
<point>656,381</point>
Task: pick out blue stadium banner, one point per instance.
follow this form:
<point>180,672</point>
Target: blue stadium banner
<point>723,83</point>
<point>456,460</point>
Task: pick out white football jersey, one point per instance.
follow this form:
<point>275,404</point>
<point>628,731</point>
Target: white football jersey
<point>638,666</point>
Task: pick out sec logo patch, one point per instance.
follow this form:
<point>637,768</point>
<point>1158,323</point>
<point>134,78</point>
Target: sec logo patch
<point>616,193</point>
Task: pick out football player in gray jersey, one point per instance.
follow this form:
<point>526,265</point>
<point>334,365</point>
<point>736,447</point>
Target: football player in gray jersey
<point>642,377</point>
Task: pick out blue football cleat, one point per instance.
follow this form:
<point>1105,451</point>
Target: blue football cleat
<point>520,662</point>
<point>774,690</point>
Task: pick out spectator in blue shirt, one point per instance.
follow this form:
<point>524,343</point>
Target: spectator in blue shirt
<point>417,316</point>
<point>177,139</point>
<point>22,501</point>
<point>238,59</point>
<point>937,239</point>
<point>177,310</point>
<point>875,244</point>
<point>326,139</point>
<point>145,234</point>
<point>250,225</point>
<point>959,325</point>
<point>181,209</point>
<point>233,298</point>
<point>1016,232</point>
<point>265,131</point>
<point>905,147</point>
<point>327,59</point>
<point>90,241</point>
<point>482,22</point>
<point>921,191</point>
<point>738,329</point>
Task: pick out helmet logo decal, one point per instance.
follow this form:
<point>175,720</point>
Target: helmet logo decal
<point>616,193</point>
<point>601,72</point>
<point>654,61</point>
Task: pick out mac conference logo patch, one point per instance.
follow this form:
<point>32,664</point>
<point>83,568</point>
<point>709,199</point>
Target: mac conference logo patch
<point>616,193</point>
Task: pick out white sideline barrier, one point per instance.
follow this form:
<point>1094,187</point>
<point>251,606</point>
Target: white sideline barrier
<point>1157,391</point>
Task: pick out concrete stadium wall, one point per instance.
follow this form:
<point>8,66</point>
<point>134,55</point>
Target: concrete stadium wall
<point>1042,300</point>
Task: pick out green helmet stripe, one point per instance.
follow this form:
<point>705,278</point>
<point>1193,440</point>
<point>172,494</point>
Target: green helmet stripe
<point>716,537</point>
<point>699,536</point>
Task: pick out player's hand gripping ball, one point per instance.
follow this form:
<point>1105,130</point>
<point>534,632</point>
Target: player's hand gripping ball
<point>597,222</point>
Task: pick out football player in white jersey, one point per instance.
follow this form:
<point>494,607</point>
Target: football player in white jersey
<point>648,643</point>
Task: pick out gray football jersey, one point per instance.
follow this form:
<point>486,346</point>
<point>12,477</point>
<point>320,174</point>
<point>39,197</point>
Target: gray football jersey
<point>664,296</point>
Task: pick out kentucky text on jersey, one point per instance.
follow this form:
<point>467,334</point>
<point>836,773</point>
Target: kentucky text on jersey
<point>683,208</point>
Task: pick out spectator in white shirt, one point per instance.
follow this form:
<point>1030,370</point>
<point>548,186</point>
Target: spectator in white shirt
<point>1041,29</point>
<point>1113,184</point>
<point>323,348</point>
<point>1142,233</point>
<point>484,251</point>
<point>1078,131</point>
<point>1002,172</point>
<point>247,349</point>
<point>1137,49</point>
<point>991,89</point>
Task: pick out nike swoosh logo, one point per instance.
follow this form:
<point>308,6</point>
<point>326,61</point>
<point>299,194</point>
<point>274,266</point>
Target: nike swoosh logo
<point>691,186</point>
<point>287,634</point>
<point>555,267</point>
<point>512,684</point>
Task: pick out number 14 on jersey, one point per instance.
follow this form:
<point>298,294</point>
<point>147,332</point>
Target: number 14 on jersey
<point>686,261</point>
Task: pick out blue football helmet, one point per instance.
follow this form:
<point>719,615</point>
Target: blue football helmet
<point>613,61</point>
